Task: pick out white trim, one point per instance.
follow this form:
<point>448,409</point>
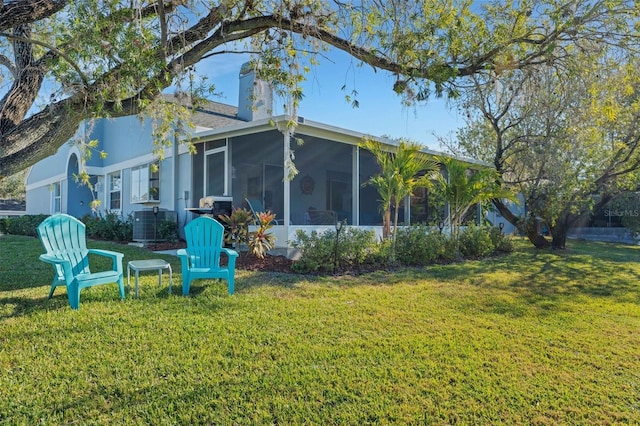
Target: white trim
<point>45,182</point>
<point>73,151</point>
<point>312,128</point>
<point>53,197</point>
<point>224,149</point>
<point>108,191</point>
<point>97,170</point>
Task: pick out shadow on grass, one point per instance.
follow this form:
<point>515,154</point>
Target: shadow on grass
<point>545,277</point>
<point>247,280</point>
<point>21,268</point>
<point>22,306</point>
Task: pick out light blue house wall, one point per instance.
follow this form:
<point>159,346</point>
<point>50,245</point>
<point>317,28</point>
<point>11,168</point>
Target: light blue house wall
<point>122,138</point>
<point>127,143</point>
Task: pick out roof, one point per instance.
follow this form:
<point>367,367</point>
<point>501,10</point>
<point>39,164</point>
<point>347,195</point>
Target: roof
<point>13,205</point>
<point>210,115</point>
<point>215,114</point>
<point>217,119</point>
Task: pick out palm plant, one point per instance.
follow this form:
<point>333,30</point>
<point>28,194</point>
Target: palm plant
<point>463,188</point>
<point>399,176</point>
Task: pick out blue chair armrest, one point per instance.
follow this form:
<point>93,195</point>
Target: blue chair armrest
<point>56,261</point>
<point>107,253</point>
<point>229,252</point>
<point>185,257</point>
<point>114,255</point>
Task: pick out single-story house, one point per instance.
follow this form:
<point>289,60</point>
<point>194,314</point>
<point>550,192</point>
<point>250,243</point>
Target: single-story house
<point>240,159</point>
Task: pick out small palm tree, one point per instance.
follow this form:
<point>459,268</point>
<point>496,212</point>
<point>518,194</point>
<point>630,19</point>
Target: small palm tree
<point>462,188</point>
<point>399,176</point>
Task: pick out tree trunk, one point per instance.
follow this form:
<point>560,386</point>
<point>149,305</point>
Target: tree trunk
<point>526,227</point>
<point>537,239</point>
<point>559,234</point>
<point>386,224</point>
<point>560,230</point>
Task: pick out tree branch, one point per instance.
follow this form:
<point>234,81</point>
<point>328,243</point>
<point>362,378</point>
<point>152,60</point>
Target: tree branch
<point>53,49</point>
<point>21,12</point>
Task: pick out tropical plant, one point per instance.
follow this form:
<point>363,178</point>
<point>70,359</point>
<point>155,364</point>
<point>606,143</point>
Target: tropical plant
<point>237,229</point>
<point>261,241</point>
<point>403,168</point>
<point>463,187</point>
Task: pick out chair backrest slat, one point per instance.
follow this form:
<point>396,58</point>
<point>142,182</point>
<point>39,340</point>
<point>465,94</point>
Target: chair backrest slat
<point>204,237</point>
<point>63,236</point>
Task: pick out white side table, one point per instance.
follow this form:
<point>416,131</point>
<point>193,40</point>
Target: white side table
<point>148,265</point>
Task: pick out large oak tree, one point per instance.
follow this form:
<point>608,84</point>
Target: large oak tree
<point>65,61</point>
<point>567,140</point>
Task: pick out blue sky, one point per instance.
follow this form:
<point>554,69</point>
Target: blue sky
<point>380,112</point>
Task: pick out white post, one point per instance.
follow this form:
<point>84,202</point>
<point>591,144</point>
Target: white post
<point>286,181</point>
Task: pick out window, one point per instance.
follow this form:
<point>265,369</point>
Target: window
<point>56,198</point>
<point>145,183</point>
<point>215,161</point>
<point>114,182</point>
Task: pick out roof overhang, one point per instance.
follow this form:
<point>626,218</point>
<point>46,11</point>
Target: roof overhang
<point>312,128</point>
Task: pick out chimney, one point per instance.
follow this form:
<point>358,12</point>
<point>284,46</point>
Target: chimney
<point>255,97</point>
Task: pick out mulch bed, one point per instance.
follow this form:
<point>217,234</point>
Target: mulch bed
<point>245,261</point>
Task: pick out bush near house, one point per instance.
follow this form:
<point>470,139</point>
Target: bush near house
<point>415,246</point>
<point>355,247</point>
<point>419,246</point>
<point>22,225</point>
<point>475,243</point>
<point>109,226</point>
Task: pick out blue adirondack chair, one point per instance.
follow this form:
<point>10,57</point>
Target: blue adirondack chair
<point>201,258</point>
<point>63,238</point>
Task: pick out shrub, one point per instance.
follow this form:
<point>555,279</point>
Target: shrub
<point>110,227</point>
<point>317,250</point>
<point>168,230</point>
<point>356,247</point>
<point>501,242</point>
<point>417,245</point>
<point>449,250</point>
<point>24,225</point>
<point>382,255</point>
<point>475,242</point>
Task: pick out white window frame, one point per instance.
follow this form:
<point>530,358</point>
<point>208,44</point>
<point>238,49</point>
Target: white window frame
<point>111,190</point>
<point>220,150</point>
<point>142,180</point>
<point>56,197</point>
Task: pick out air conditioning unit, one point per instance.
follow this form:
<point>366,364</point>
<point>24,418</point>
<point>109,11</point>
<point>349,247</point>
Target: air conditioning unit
<point>145,223</point>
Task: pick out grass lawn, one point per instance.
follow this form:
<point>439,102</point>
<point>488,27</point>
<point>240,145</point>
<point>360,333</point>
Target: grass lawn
<point>534,337</point>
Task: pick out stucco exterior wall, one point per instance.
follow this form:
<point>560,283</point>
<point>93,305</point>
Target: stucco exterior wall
<point>39,200</point>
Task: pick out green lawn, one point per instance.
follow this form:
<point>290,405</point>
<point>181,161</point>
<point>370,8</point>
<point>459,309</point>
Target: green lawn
<point>529,338</point>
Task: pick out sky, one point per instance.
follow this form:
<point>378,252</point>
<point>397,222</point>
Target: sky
<point>380,110</point>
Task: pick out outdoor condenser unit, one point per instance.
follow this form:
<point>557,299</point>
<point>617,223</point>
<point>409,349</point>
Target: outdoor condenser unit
<point>146,221</point>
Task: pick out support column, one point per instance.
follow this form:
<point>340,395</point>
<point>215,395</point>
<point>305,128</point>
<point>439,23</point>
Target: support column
<point>287,181</point>
<point>355,187</point>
